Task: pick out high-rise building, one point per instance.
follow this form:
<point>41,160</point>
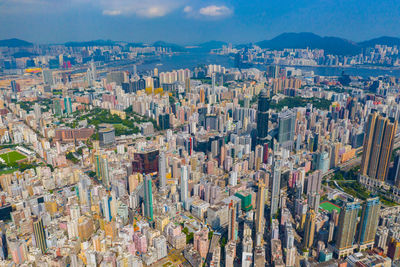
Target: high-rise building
<point>378,145</point>
<point>101,168</point>
<point>15,86</point>
<point>232,226</point>
<point>394,249</point>
<point>3,246</point>
<point>314,182</point>
<point>162,170</point>
<point>106,136</point>
<point>91,75</point>
<point>187,85</point>
<point>184,186</point>
<point>287,123</point>
<point>48,78</point>
<point>309,230</point>
<point>148,198</point>
<point>262,117</point>
<point>107,208</point>
<point>344,241</point>
<point>57,108</point>
<point>368,223</point>
<point>260,205</point>
<point>40,235</point>
<point>67,105</point>
<point>276,187</point>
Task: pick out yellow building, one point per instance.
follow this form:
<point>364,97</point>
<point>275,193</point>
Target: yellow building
<point>119,113</point>
<point>161,222</point>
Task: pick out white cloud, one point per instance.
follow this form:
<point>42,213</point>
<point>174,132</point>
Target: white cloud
<point>112,12</point>
<point>153,11</point>
<point>187,9</point>
<point>141,8</point>
<point>215,11</point>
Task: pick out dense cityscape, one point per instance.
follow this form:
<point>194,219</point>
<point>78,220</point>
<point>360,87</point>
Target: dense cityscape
<point>107,160</point>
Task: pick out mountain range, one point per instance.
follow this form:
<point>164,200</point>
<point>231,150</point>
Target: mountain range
<point>331,44</point>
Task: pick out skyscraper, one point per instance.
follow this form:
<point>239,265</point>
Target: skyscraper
<point>368,223</point>
<point>161,170</point>
<point>378,145</point>
<point>346,229</point>
<point>148,198</point>
<point>107,208</point>
<point>40,236</point>
<point>260,208</point>
<point>67,105</point>
<point>309,230</point>
<point>101,168</point>
<point>287,122</point>
<point>232,224</point>
<point>14,86</point>
<point>276,187</point>
<point>262,117</point>
<point>184,186</point>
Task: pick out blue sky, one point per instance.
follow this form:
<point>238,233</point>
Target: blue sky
<point>194,21</point>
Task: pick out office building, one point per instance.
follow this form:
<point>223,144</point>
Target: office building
<point>148,198</point>
<point>101,169</point>
<point>163,121</point>
<point>107,136</point>
<point>162,170</point>
<point>184,187</point>
<point>15,87</point>
<point>67,105</point>
<point>48,78</point>
<point>39,234</point>
<point>276,187</point>
<point>145,161</point>
<point>260,205</point>
<point>262,117</point>
<point>286,129</point>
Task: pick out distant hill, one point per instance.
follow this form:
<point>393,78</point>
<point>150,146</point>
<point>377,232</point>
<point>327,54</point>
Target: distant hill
<point>212,45</point>
<point>174,47</point>
<point>91,43</point>
<point>332,45</point>
<point>14,42</point>
<point>384,40</point>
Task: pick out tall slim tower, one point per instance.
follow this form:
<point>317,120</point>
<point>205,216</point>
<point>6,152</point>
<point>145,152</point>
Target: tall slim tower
<point>260,207</point>
<point>309,230</point>
<point>213,81</point>
<point>162,170</point>
<point>276,187</point>
<point>184,186</point>
<point>346,229</point>
<point>232,226</point>
<point>40,236</point>
<point>262,117</point>
<point>378,146</point>
<point>368,223</point>
<point>148,198</point>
